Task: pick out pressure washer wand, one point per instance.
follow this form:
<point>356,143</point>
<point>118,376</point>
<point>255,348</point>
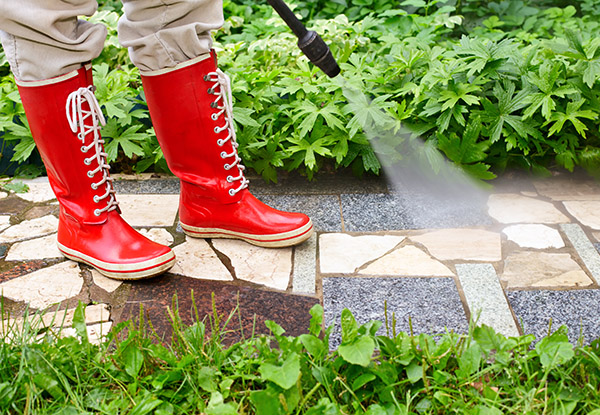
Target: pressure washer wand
<point>309,42</point>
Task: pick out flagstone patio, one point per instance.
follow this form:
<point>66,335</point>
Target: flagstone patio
<point>524,260</point>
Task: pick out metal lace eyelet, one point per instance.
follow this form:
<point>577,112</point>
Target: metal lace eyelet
<point>90,174</point>
<point>87,162</point>
<point>84,149</point>
<point>96,199</point>
<point>223,154</point>
<point>80,136</point>
<point>94,186</point>
<point>229,179</point>
<point>231,192</point>
<point>226,166</point>
<point>213,105</point>
<point>210,91</point>
<point>220,142</point>
<point>97,212</point>
<point>217,130</point>
<point>214,117</point>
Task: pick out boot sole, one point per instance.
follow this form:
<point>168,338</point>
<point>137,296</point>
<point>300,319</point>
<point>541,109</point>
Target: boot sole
<point>129,272</point>
<point>276,240</point>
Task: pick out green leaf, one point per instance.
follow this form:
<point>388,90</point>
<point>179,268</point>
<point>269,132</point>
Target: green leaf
<point>133,358</point>
<point>555,349</point>
<point>284,376</point>
<point>16,186</point>
<point>349,326</point>
<point>470,360</point>
<point>79,323</point>
<point>414,372</point>
<point>362,380</point>
<point>216,406</point>
<point>316,321</point>
<point>359,351</point>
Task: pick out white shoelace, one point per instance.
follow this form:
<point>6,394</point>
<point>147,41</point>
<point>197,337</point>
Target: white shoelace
<point>77,118</point>
<point>224,95</point>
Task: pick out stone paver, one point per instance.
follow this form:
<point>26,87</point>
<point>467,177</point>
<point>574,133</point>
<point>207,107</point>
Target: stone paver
<point>305,267</point>
<point>46,286</point>
<point>196,259</point>
<point>107,284</point>
<point>38,248</point>
<point>39,190</point>
<point>343,253</point>
<point>30,229</point>
<point>584,247</point>
<point>270,267</point>
<point>587,212</point>
<point>514,208</point>
<point>560,190</point>
<point>149,210</point>
<point>485,298</point>
<point>159,235</point>
<point>408,261</point>
<point>534,236</point>
<point>543,270</point>
<point>464,244</point>
<point>4,222</point>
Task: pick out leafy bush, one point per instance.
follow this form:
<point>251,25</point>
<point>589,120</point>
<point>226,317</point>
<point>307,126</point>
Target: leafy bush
<point>479,373</point>
<point>491,84</point>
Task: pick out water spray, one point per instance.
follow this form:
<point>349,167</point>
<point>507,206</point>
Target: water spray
<point>309,42</point>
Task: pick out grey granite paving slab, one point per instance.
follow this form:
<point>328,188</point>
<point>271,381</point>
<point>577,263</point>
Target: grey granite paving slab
<point>168,185</point>
<point>396,211</point>
<point>305,267</point>
<point>587,252</point>
<point>432,304</point>
<point>485,298</point>
<point>579,310</point>
<point>324,210</point>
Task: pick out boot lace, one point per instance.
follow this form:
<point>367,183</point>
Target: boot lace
<point>90,122</point>
<point>224,103</point>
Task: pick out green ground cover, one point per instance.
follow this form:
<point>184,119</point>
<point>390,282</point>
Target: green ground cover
<point>193,373</point>
<point>491,84</point>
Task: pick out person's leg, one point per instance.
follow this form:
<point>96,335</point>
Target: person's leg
<point>43,39</point>
<point>190,104</point>
<point>65,121</point>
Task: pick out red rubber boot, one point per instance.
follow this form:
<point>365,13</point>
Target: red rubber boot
<point>65,121</point>
<point>191,111</point>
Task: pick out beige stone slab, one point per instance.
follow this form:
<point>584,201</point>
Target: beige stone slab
<point>462,244</point>
<point>39,190</point>
<point>4,222</point>
<point>534,236</point>
<point>149,210</point>
<point>45,287</point>
<point>407,261</point>
<point>30,229</point>
<point>265,266</point>
<point>597,236</point>
<point>568,189</point>
<point>158,235</point>
<point>530,194</point>
<point>107,284</point>
<point>343,253</point>
<point>94,313</point>
<point>514,208</point>
<point>587,212</point>
<point>542,269</point>
<point>3,195</point>
<point>196,259</point>
<point>96,332</point>
<point>39,248</point>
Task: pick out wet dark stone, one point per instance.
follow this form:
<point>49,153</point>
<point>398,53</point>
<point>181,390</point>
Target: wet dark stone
<point>255,305</point>
<point>12,205</point>
<point>3,250</point>
<point>24,268</point>
<point>40,211</point>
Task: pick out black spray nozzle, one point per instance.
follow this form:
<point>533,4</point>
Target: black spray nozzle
<point>309,42</point>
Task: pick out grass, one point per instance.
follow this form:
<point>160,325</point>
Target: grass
<point>135,372</point>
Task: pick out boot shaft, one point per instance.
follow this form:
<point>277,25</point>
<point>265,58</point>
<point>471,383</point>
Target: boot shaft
<point>191,111</point>
<point>65,121</point>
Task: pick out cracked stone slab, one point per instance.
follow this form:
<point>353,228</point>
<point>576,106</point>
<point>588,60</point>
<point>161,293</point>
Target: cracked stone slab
<point>485,298</point>
<point>4,222</point>
<point>266,266</point>
<point>39,190</point>
<point>584,248</point>
<point>149,210</point>
<point>534,236</point>
<point>30,229</point>
<point>305,266</point>
<point>462,244</point>
<point>96,332</point>
<point>344,254</point>
<point>407,261</point>
<point>95,313</point>
<point>576,309</point>
<point>432,304</point>
<point>398,211</point>
<point>158,235</point>
<point>515,208</point>
<point>107,284</point>
<point>541,269</point>
<point>45,287</point>
<point>557,189</point>
<point>586,212</point>
<point>39,248</point>
<point>196,259</point>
